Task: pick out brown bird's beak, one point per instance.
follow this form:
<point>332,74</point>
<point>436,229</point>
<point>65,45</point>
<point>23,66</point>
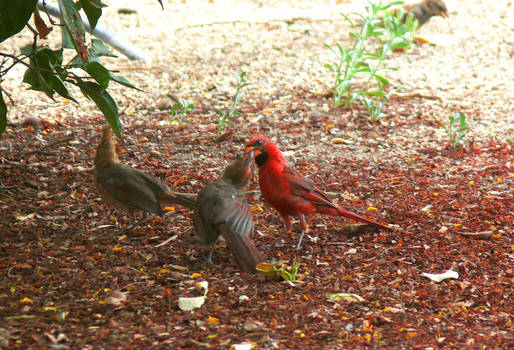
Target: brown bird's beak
<point>443,14</point>
<point>249,154</point>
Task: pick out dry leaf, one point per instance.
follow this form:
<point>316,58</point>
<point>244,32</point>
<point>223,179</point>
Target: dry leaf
<point>202,287</point>
<point>188,304</point>
<point>242,346</point>
<point>346,297</point>
<point>478,235</point>
<point>442,276</point>
<point>116,298</point>
<point>251,326</point>
<point>41,26</point>
<point>340,141</point>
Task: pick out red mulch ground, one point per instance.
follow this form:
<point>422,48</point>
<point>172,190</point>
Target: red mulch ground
<point>58,267</point>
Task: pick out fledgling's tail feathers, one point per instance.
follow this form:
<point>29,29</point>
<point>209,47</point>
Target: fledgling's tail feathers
<point>246,254</point>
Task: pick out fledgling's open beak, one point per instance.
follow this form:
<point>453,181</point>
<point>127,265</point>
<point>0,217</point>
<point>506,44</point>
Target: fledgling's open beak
<point>249,155</point>
<point>443,14</point>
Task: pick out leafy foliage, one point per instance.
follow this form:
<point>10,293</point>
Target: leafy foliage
<point>399,28</point>
<point>362,60</point>
<point>14,15</point>
<point>46,71</point>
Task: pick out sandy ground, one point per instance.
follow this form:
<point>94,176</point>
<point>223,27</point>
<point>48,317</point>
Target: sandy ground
<point>281,46</point>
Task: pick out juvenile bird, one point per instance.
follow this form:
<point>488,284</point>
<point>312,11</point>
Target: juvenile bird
<point>289,192</point>
<point>222,209</point>
<point>127,188</point>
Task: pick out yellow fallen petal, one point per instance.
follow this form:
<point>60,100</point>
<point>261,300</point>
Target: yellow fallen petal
<point>212,320</point>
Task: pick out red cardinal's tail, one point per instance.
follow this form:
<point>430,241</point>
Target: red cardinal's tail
<point>245,252</point>
<point>351,215</point>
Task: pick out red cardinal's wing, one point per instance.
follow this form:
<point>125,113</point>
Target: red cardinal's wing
<point>302,187</point>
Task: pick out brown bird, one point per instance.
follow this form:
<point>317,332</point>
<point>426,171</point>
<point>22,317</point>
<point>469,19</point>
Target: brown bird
<point>128,188</point>
<point>425,10</point>
<point>222,209</point>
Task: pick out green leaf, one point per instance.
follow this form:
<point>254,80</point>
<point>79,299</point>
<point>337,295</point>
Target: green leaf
<point>375,93</point>
<point>123,81</point>
<point>400,44</point>
<point>381,79</point>
<point>95,51</point>
<point>104,102</point>
<point>48,77</point>
<point>99,49</point>
<point>279,271</point>
<point>3,114</point>
<point>99,73</point>
<point>93,12</point>
<point>27,50</point>
<point>73,26</point>
<point>14,15</point>
<point>97,3</point>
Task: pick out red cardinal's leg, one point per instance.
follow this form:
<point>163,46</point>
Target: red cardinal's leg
<point>305,229</point>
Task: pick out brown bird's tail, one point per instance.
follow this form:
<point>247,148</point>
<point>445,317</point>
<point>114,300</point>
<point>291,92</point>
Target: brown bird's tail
<point>171,198</point>
<point>351,215</point>
<point>245,252</point>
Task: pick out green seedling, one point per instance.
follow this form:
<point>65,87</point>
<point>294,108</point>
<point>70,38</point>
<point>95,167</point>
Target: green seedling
<point>279,271</point>
<point>179,111</point>
<point>224,116</point>
<point>455,128</point>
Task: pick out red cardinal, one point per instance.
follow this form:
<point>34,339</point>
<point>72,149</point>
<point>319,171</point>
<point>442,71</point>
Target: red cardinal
<point>290,193</point>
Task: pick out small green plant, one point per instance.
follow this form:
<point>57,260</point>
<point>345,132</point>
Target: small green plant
<point>455,128</point>
<point>179,111</point>
<point>363,61</point>
<point>224,116</point>
<point>279,271</point>
<point>400,29</point>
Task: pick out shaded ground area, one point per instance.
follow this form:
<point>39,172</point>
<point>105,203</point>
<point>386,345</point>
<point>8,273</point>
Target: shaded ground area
<point>63,281</point>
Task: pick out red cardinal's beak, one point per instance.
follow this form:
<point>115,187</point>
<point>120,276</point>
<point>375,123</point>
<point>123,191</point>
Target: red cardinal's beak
<point>255,152</point>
